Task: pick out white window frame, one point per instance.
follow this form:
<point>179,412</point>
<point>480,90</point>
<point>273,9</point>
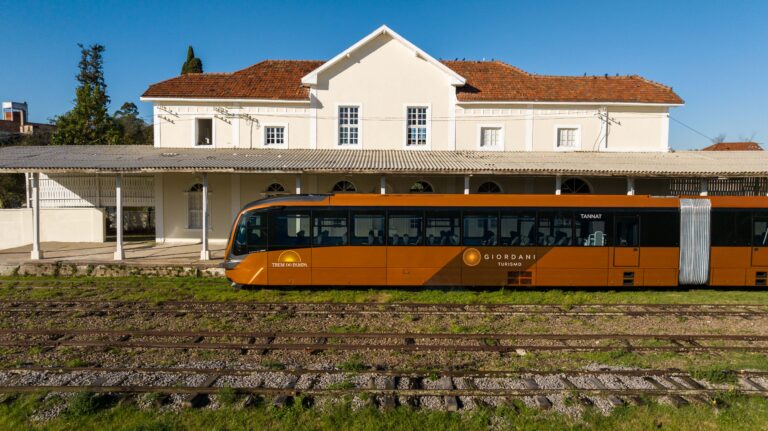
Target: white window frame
<point>187,194</point>
<point>428,145</point>
<point>577,143</point>
<point>213,131</point>
<point>359,144</point>
<point>502,143</point>
<point>264,135</point>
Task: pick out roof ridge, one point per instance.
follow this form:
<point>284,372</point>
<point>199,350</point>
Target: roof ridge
<point>652,82</point>
<point>515,68</point>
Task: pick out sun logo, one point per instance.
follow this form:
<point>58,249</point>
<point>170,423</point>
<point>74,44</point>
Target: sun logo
<point>471,257</point>
<point>289,256</point>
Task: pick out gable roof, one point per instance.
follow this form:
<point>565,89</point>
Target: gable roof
<point>269,79</point>
<point>311,78</point>
<point>498,81</point>
<point>734,146</point>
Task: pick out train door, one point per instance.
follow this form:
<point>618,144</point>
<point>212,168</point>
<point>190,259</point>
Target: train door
<point>760,240</point>
<point>626,244</point>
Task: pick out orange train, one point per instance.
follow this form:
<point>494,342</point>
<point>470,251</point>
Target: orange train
<point>499,240</point>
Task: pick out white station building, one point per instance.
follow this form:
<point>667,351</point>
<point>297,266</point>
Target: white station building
<point>383,116</point>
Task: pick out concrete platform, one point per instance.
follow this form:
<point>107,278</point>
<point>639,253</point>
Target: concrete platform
<point>97,259</point>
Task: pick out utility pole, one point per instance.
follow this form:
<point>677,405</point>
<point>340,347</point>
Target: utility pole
<point>607,122</point>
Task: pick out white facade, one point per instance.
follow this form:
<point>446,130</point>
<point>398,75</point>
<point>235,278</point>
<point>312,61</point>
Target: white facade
<point>382,76</point>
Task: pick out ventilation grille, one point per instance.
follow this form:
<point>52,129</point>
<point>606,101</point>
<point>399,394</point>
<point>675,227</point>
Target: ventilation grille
<point>519,278</point>
<point>628,279</point>
<point>761,278</point>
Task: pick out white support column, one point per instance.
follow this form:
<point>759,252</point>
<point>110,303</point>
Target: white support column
<point>630,186</point>
<point>466,184</point>
<point>36,254</point>
<point>159,209</point>
<point>383,185</point>
<point>119,252</point>
<point>704,187</point>
<point>298,184</point>
<point>558,184</point>
<point>205,254</point>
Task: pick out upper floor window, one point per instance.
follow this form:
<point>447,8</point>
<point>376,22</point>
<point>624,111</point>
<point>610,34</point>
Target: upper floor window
<point>490,138</point>
<point>567,137</point>
<point>274,135</point>
<point>416,133</point>
<point>349,125</point>
<point>203,131</point>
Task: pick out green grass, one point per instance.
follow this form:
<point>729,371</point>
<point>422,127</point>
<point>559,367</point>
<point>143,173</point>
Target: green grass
<point>740,413</point>
<point>187,288</point>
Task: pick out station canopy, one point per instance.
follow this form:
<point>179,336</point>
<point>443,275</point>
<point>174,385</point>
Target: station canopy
<point>137,159</point>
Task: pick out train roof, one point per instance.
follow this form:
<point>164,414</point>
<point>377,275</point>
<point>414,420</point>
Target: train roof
<point>496,200</point>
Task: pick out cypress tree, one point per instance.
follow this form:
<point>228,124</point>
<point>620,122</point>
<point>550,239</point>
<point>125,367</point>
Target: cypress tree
<point>193,64</point>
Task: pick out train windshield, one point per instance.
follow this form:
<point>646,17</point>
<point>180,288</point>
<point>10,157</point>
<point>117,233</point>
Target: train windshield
<point>250,234</point>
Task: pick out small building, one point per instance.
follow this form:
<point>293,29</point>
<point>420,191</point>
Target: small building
<point>15,121</point>
<point>734,146</point>
<point>382,116</point>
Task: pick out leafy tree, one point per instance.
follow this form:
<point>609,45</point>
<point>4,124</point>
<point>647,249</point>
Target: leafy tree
<point>193,64</point>
<point>12,190</point>
<point>133,129</point>
<point>88,123</point>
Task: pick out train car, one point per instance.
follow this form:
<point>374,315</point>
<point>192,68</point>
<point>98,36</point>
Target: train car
<point>499,241</point>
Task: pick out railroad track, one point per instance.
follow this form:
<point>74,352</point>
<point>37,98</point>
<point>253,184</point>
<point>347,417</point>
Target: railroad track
<point>178,308</point>
<point>450,390</point>
<point>314,342</point>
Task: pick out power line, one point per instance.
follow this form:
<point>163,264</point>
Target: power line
<point>691,128</point>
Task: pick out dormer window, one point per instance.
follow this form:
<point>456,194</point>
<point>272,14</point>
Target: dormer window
<point>204,131</point>
<point>416,131</point>
<point>349,125</point>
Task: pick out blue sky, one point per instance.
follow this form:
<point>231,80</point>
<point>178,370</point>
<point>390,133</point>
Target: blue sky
<point>713,53</point>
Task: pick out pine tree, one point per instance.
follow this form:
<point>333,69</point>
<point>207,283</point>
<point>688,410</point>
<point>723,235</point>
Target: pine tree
<point>88,122</point>
<point>193,64</point>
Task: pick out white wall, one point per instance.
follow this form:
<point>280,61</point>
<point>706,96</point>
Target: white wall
<point>384,77</point>
<point>56,225</point>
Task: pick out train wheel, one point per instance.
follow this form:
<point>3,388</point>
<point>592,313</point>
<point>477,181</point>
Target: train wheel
<point>236,286</point>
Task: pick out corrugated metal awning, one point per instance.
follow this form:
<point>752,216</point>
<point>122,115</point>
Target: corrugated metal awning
<point>122,158</point>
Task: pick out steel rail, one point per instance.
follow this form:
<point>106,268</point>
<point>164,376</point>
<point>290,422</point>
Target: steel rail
<point>390,373</point>
<point>407,341</point>
<point>390,392</point>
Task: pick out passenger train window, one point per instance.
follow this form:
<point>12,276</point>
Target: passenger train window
<point>251,234</point>
<point>289,230</point>
<point>404,229</point>
<point>329,228</point>
<point>367,228</point>
<point>518,229</point>
<point>660,229</point>
<point>442,228</point>
<point>731,228</point>
<point>591,228</point>
<point>760,230</point>
<point>626,231</point>
<point>481,229</point>
<point>555,228</point>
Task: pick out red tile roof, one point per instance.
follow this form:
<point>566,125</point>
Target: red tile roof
<point>486,81</point>
<point>734,146</point>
